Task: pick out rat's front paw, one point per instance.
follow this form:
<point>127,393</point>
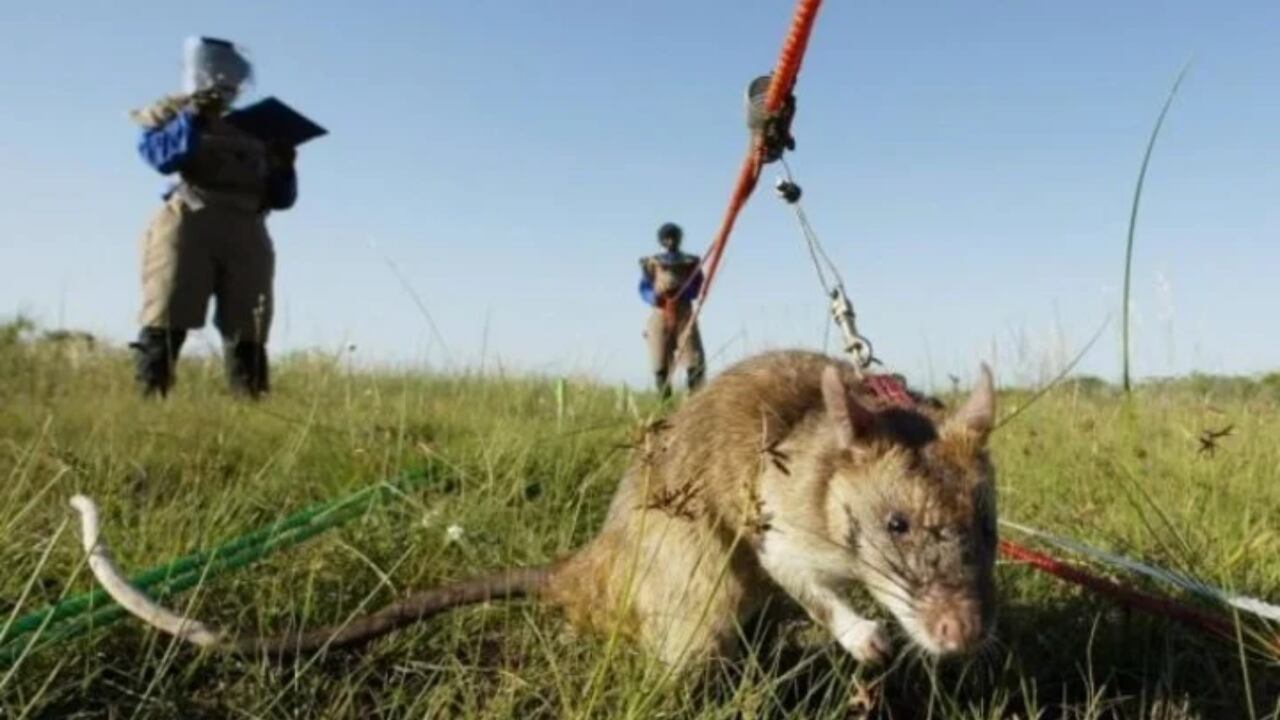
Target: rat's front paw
<point>866,640</point>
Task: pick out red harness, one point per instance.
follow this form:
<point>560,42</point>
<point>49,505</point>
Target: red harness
<point>889,390</point>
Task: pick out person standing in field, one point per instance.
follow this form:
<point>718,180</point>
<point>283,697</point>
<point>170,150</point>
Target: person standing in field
<point>210,238</point>
<point>669,282</point>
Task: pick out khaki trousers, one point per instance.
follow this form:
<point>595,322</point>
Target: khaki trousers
<point>190,255</point>
<point>662,340</point>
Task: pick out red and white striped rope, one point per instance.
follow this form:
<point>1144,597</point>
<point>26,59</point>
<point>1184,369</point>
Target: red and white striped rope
<point>1195,586</point>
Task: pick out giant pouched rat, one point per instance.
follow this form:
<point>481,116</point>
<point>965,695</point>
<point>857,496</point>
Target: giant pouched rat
<point>782,477</point>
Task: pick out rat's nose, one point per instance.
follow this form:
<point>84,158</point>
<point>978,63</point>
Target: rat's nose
<point>958,628</point>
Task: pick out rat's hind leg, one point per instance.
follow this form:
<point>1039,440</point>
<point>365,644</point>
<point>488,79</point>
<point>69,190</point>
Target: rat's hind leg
<point>677,586</point>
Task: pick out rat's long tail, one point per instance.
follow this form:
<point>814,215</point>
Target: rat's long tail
<point>501,585</point>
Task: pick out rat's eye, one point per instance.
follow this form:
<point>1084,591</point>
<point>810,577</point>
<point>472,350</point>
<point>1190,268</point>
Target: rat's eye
<point>898,524</point>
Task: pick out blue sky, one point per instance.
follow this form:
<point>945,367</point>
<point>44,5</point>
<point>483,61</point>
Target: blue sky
<point>969,165</point>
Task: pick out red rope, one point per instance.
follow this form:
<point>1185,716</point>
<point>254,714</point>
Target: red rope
<point>792,55</point>
<point>1193,617</point>
<point>747,178</point>
<point>781,85</point>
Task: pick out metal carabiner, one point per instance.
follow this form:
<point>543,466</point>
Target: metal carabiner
<point>857,346</point>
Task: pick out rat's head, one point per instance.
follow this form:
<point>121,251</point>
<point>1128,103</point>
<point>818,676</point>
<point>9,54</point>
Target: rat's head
<point>916,501</point>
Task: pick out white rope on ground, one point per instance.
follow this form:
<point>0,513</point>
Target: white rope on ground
<point>1244,603</point>
<point>129,597</point>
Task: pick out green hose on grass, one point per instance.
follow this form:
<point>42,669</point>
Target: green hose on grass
<point>95,609</point>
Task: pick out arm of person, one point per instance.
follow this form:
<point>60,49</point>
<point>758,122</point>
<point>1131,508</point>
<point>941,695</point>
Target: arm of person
<point>646,282</point>
<point>694,287</point>
<point>646,290</point>
<point>282,189</point>
<point>166,147</point>
<point>282,178</point>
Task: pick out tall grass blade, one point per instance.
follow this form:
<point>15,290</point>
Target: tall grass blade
<point>1133,220</point>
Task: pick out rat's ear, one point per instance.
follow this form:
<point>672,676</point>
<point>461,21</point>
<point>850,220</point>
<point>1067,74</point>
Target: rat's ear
<point>977,416</point>
<point>852,421</point>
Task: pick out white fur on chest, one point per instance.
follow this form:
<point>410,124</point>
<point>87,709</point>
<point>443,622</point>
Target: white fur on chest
<point>797,536</point>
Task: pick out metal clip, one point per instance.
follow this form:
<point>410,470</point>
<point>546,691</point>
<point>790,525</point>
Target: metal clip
<point>857,346</point>
<point>787,190</point>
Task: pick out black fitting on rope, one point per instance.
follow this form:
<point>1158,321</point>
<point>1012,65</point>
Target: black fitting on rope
<point>788,191</point>
<point>774,129</point>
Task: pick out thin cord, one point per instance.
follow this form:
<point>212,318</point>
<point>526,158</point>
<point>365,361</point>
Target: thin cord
<point>817,253</point>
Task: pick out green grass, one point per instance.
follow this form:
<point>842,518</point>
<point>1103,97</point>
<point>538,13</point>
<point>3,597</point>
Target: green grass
<point>1126,380</point>
<point>528,479</point>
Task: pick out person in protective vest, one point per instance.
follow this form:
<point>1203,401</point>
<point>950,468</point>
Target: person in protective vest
<point>210,238</point>
<point>669,281</point>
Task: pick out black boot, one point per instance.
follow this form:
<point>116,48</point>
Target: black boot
<point>663,383</point>
<point>695,378</point>
<point>247,371</point>
<point>155,354</point>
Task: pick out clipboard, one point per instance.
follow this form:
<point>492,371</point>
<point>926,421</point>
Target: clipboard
<point>271,120</point>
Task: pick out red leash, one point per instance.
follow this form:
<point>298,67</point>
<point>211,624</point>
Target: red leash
<point>1156,605</point>
<point>780,86</point>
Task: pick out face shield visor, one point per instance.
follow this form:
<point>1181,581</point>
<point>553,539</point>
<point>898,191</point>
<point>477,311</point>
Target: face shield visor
<point>213,64</point>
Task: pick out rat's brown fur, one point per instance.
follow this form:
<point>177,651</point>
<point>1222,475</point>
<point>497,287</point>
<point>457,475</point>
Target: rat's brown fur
<point>682,579</point>
<point>777,479</point>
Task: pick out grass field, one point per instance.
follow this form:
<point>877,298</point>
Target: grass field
<point>521,476</point>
